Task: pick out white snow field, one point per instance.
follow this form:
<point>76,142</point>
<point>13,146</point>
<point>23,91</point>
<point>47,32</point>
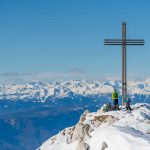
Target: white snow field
<point>113,130</point>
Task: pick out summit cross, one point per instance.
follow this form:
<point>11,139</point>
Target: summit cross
<point>124,42</point>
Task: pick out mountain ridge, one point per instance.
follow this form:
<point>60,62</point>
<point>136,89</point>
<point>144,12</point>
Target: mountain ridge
<point>42,91</point>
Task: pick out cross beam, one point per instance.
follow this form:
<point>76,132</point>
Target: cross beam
<point>120,42</point>
<point>124,42</point>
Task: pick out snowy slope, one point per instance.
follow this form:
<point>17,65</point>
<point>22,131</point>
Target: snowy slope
<point>115,130</point>
<point>54,90</point>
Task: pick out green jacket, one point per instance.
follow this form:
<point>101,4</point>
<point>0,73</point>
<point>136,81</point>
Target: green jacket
<point>114,95</point>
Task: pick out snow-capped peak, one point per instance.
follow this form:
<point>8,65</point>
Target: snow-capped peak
<point>114,130</point>
<point>41,91</point>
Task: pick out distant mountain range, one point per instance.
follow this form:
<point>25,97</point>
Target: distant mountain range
<point>41,92</point>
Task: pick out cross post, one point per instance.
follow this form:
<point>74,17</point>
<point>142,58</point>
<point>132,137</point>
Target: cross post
<point>124,42</point>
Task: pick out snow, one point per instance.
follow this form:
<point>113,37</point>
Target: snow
<point>41,91</point>
<point>124,131</point>
<point>117,140</point>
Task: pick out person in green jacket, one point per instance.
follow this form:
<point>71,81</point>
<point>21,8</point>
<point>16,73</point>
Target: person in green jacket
<point>115,99</point>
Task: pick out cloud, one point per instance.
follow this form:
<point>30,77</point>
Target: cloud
<point>77,71</point>
<point>15,74</point>
<point>17,77</point>
<point>71,74</point>
<point>24,77</point>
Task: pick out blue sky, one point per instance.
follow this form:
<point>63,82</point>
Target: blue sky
<point>65,37</point>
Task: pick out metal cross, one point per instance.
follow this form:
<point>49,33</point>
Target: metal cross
<point>124,42</point>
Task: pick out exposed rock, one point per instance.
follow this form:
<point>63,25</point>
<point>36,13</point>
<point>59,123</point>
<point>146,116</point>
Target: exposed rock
<point>82,145</point>
<point>69,133</point>
<point>63,132</point>
<point>83,116</point>
<point>80,132</point>
<point>103,119</point>
<point>148,132</point>
<point>53,140</point>
<point>104,146</point>
<point>86,129</point>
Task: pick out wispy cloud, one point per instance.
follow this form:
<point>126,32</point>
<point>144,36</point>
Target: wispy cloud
<point>70,74</point>
<point>17,77</point>
<point>76,71</point>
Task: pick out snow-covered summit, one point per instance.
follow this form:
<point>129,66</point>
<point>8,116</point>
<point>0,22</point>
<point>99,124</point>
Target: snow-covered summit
<point>114,130</point>
<point>42,91</point>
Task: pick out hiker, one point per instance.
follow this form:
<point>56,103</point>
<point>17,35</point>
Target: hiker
<point>127,102</point>
<point>115,99</point>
